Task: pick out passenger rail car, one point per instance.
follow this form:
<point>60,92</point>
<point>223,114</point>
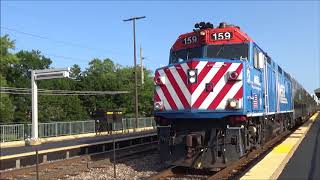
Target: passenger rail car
<point>220,96</point>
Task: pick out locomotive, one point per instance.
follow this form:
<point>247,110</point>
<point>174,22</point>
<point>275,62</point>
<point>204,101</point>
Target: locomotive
<point>220,96</point>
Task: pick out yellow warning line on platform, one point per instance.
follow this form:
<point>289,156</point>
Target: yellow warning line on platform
<point>314,117</point>
<point>61,149</point>
<point>283,148</point>
<point>273,163</point>
<point>70,137</point>
<point>65,148</point>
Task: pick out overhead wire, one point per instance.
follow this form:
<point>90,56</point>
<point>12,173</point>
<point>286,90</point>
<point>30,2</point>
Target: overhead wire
<point>65,43</point>
<point>13,90</point>
<point>58,41</point>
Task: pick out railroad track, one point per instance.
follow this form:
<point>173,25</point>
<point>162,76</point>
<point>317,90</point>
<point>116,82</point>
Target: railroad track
<point>72,166</point>
<point>233,171</point>
<point>176,172</point>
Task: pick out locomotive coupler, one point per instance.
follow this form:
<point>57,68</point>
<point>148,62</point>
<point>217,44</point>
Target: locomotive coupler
<point>193,143</point>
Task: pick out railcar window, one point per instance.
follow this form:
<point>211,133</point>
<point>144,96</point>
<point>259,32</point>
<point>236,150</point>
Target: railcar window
<point>287,75</point>
<point>185,54</point>
<point>228,51</point>
<point>255,57</point>
<point>279,69</point>
<point>268,60</point>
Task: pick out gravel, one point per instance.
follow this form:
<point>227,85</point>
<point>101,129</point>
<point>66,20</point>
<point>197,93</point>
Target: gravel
<point>132,169</point>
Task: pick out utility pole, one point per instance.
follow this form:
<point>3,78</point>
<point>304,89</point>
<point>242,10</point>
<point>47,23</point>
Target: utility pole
<point>141,64</point>
<point>133,19</point>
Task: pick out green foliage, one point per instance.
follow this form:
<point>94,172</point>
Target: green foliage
<point>6,59</point>
<point>100,75</point>
<point>75,72</point>
<point>6,107</point>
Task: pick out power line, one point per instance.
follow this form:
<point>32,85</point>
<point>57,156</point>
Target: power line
<point>64,57</point>
<point>57,41</point>
<point>13,90</point>
<point>61,94</point>
<point>62,42</point>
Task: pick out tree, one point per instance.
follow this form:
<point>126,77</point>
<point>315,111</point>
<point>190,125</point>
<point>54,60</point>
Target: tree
<point>103,75</point>
<point>57,107</point>
<point>75,71</point>
<point>100,75</point>
<point>18,75</point>
<point>146,95</point>
<point>6,59</point>
<point>6,107</point>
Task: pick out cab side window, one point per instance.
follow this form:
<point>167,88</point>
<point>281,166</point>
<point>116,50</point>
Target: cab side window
<point>255,57</point>
<point>258,58</point>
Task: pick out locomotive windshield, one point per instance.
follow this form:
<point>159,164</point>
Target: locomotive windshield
<point>225,51</point>
<point>185,54</point>
<point>228,51</point>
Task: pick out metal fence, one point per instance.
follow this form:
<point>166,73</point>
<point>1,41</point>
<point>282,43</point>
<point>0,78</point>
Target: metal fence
<point>129,123</point>
<point>17,132</point>
<point>12,132</point>
<point>63,128</point>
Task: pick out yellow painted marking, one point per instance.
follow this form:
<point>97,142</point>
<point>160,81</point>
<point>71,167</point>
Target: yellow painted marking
<point>57,149</point>
<point>283,148</point>
<point>314,117</point>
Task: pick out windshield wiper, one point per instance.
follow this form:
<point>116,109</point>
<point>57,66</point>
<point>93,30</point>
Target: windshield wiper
<point>222,47</point>
<point>188,50</point>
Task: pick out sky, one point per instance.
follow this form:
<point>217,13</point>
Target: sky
<point>75,32</point>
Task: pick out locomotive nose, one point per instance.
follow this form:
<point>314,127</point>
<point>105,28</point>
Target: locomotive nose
<point>199,85</point>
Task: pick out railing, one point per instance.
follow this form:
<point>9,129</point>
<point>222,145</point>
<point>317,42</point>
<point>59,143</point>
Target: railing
<point>129,123</point>
<point>11,132</point>
<point>17,132</point>
<point>63,128</point>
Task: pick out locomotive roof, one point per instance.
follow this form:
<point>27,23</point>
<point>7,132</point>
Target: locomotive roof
<point>220,35</point>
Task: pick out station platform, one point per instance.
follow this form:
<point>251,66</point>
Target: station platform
<point>297,157</point>
<point>18,149</point>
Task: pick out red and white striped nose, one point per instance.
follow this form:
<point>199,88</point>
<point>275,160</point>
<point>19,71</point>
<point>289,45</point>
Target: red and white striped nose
<point>200,85</point>
<point>159,80</point>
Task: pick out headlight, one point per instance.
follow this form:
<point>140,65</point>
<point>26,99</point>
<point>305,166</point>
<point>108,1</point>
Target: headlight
<point>192,80</point>
<point>158,106</point>
<point>233,103</point>
<point>233,75</point>
<point>192,76</point>
<point>192,72</point>
<point>159,80</point>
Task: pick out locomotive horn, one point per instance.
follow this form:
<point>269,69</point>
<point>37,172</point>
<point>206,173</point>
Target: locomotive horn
<point>202,24</point>
<point>222,25</point>
<point>209,25</point>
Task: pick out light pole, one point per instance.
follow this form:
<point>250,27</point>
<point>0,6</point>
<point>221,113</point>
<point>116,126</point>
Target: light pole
<point>41,75</point>
<point>133,19</point>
